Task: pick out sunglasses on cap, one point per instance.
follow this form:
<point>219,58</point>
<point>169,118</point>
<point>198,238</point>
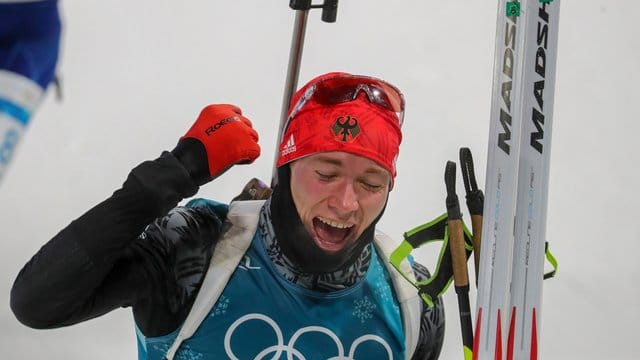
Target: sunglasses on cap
<point>345,88</point>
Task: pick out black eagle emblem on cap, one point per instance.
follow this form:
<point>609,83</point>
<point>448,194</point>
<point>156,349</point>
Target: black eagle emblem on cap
<point>346,128</point>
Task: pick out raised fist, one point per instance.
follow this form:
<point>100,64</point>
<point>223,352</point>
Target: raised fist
<point>220,138</point>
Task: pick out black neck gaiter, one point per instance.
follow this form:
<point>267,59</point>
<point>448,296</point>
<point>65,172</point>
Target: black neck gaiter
<point>296,242</point>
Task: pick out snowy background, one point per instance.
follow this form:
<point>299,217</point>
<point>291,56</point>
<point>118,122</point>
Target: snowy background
<point>137,73</point>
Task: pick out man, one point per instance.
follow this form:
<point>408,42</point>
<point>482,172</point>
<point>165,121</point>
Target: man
<point>312,281</point>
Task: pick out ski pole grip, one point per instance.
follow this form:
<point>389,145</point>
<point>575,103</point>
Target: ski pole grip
<point>458,254</point>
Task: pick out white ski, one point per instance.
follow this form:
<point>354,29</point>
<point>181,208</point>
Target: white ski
<point>501,186</point>
<point>540,53</point>
<point>512,257</point>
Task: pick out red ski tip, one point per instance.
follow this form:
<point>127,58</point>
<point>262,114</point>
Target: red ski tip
<point>498,337</point>
<point>476,337</point>
<point>534,337</point>
<point>512,332</point>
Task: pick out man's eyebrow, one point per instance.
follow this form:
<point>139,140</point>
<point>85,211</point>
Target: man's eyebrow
<point>374,170</point>
<point>329,160</point>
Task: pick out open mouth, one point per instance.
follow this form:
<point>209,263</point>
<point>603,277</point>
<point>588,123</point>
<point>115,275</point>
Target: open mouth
<point>330,235</point>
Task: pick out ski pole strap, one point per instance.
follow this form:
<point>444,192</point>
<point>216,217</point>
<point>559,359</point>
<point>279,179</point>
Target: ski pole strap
<point>475,197</point>
<point>442,276</point>
<point>552,260</point>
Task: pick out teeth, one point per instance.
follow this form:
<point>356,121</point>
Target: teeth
<point>335,224</point>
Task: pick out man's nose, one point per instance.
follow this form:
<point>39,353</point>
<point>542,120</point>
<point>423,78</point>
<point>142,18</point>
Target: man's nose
<point>346,198</point>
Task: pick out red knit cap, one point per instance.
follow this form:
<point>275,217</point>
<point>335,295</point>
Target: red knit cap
<point>358,127</point>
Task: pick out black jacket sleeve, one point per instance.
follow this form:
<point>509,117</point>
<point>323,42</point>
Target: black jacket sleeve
<point>100,262</point>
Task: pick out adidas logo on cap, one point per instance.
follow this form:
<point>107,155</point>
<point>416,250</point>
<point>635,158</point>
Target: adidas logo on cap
<point>289,147</point>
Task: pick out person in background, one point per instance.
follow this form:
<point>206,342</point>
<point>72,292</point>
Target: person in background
<point>29,47</point>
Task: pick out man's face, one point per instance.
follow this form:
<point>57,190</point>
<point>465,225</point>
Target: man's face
<point>338,195</point>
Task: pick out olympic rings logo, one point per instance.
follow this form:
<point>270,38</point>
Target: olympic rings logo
<point>290,350</point>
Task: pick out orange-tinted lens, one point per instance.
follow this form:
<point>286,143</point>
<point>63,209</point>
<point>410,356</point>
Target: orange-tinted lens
<point>343,89</point>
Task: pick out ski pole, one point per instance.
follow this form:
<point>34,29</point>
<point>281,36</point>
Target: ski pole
<point>302,7</point>
<point>458,259</point>
<point>475,203</point>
